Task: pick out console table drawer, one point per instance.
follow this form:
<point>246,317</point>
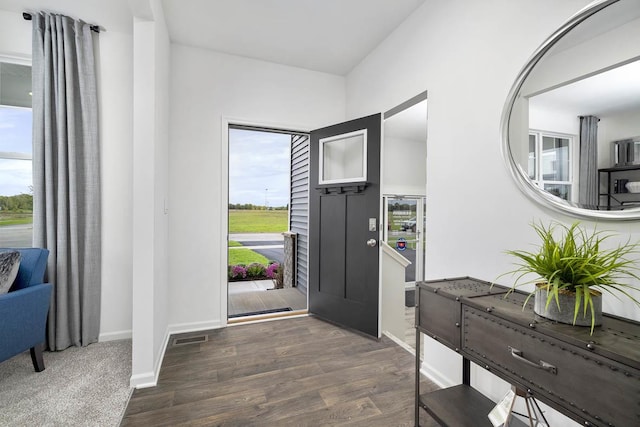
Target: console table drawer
<point>596,389</point>
<point>439,309</point>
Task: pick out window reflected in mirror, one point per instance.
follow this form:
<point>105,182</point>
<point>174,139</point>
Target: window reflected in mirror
<point>550,162</point>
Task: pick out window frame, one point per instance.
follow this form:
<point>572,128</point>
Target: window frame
<point>538,179</point>
<point>12,155</point>
<point>19,60</point>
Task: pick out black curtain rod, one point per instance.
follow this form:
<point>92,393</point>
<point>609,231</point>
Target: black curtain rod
<point>27,16</point>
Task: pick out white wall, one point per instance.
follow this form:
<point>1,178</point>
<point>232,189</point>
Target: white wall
<point>15,35</point>
<point>115,88</point>
<point>115,83</point>
<point>613,128</point>
<point>404,166</point>
<point>553,120</point>
<point>467,55</point>
<point>207,87</point>
<point>619,126</point>
<point>150,189</point>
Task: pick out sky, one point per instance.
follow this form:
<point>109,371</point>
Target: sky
<point>259,167</point>
<point>15,137</point>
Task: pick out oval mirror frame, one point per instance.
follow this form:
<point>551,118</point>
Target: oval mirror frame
<point>522,180</point>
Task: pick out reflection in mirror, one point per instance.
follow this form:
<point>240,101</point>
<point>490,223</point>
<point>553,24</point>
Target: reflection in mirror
<point>574,113</point>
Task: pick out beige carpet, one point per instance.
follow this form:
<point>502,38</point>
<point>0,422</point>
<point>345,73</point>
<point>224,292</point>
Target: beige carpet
<point>86,386</point>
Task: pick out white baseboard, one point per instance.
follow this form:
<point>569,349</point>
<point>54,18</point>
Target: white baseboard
<point>145,380</point>
<point>426,370</point>
<point>115,336</point>
<point>400,342</point>
<point>194,326</point>
<point>150,379</point>
<point>436,376</point>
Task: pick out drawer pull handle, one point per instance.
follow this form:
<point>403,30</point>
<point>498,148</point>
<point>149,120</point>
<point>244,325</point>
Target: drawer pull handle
<point>517,354</point>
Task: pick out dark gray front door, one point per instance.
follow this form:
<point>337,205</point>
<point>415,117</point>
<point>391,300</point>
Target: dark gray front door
<point>344,218</point>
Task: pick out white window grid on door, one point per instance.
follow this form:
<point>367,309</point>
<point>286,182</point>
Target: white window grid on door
<point>346,164</point>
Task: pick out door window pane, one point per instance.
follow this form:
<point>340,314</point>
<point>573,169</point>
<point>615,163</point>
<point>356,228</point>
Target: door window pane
<point>343,158</point>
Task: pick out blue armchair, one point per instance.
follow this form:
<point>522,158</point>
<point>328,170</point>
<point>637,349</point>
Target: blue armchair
<point>23,310</point>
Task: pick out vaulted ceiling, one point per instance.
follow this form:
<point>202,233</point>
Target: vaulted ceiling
<point>324,35</point>
<point>330,36</point>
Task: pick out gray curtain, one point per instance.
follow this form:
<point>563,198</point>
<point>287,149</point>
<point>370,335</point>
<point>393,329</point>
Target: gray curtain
<point>588,192</point>
<point>66,175</point>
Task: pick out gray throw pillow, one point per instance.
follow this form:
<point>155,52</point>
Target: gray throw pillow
<point>9,265</point>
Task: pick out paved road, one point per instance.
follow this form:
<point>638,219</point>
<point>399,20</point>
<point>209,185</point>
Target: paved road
<point>16,236</point>
<point>276,254</point>
<point>257,237</point>
<point>269,245</point>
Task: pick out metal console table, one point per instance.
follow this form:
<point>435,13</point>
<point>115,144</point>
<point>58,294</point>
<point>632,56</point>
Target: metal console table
<point>545,359</point>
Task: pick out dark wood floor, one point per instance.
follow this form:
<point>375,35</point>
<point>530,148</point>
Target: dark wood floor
<point>290,372</point>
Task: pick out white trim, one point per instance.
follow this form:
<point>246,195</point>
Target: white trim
<point>16,58</point>
<point>400,342</point>
<point>150,379</point>
<point>436,376</point>
<point>433,375</point>
<point>268,319</point>
<point>224,220</point>
<point>181,328</point>
<point>115,336</point>
<point>321,142</point>
<point>14,155</point>
<point>381,213</point>
<point>145,380</point>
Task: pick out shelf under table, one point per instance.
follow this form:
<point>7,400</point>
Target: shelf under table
<point>460,406</point>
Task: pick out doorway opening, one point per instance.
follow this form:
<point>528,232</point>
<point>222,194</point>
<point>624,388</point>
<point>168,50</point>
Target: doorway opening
<point>267,237</point>
<point>404,208</point>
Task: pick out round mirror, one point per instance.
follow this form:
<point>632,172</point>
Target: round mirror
<point>571,122</point>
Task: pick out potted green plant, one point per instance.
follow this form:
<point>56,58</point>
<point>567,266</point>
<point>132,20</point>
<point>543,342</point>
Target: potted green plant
<point>573,271</point>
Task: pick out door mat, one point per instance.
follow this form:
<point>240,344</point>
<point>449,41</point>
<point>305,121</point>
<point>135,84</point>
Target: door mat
<point>410,298</point>
<point>256,313</point>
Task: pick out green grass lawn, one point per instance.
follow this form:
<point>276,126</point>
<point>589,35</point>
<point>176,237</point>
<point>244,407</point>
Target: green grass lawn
<point>263,221</point>
<point>15,219</point>
<point>246,257</point>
